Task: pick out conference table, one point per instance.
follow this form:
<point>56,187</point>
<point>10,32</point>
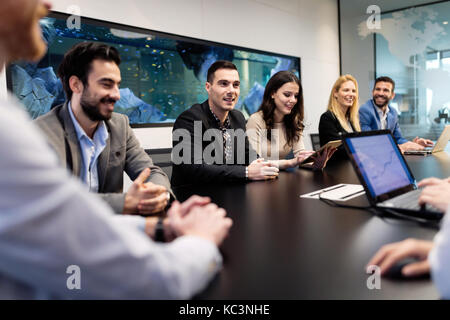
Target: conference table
<point>282,246</point>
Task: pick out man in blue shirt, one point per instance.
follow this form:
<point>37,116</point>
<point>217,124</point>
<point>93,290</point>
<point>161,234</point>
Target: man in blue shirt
<point>376,114</point>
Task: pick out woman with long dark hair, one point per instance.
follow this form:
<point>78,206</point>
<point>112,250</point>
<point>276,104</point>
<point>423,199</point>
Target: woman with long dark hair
<point>276,129</point>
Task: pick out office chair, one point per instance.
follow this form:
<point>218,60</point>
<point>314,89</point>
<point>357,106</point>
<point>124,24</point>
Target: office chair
<point>315,141</point>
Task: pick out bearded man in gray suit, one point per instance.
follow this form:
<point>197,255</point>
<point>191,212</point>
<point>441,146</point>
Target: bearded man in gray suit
<point>96,144</point>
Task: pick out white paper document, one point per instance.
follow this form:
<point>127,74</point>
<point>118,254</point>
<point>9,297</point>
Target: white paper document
<point>339,192</point>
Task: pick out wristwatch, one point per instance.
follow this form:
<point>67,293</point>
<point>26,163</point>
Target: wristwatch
<point>159,230</point>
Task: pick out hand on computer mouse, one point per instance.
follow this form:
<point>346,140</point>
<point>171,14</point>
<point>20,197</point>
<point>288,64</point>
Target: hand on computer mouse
<point>391,254</point>
<point>396,271</point>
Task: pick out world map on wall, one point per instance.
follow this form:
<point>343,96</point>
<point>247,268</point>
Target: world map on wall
<point>409,32</point>
<point>412,33</point>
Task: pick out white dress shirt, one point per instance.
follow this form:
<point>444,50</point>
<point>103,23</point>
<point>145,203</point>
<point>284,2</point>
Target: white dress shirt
<point>383,117</point>
<point>48,222</point>
<point>440,258</point>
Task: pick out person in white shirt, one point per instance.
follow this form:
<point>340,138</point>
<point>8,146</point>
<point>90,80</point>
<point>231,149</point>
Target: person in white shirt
<point>433,256</point>
<point>49,223</point>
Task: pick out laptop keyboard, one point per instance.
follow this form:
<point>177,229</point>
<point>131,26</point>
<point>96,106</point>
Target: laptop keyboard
<point>409,201</point>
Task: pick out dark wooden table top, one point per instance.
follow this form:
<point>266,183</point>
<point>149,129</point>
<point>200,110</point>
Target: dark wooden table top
<point>282,246</point>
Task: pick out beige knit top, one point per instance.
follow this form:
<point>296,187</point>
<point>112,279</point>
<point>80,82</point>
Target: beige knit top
<point>257,136</point>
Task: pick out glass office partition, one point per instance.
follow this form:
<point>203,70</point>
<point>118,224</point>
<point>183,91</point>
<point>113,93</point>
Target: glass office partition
<point>411,45</point>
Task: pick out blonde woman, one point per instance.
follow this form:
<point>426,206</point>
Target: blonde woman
<point>342,115</point>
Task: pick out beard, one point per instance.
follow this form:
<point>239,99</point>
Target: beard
<point>385,101</point>
<point>92,108</point>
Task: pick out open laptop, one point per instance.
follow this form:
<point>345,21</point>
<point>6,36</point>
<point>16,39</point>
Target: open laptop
<point>440,145</point>
<point>384,174</point>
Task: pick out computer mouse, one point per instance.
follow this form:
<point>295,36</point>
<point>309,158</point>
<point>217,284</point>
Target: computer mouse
<point>395,272</point>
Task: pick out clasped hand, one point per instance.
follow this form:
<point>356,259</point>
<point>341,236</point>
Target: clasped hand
<point>197,216</point>
<point>262,170</point>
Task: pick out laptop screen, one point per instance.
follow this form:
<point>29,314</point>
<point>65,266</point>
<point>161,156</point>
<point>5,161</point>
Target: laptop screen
<point>380,163</point>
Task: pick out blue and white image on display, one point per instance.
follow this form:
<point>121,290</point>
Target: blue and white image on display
<point>380,163</point>
<point>161,76</point>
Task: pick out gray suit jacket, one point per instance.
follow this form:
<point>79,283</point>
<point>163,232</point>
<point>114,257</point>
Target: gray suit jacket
<point>122,153</point>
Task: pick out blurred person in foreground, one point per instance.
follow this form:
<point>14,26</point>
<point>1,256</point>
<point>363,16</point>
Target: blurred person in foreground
<point>48,221</point>
<point>432,257</point>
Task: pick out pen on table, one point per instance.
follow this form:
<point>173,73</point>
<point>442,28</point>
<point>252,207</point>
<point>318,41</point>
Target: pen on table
<point>352,194</point>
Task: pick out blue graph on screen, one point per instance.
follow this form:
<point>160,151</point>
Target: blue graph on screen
<point>380,163</point>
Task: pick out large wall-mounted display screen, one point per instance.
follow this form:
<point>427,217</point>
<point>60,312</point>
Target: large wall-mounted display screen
<point>162,74</point>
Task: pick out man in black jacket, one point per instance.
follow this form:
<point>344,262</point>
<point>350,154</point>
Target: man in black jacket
<point>209,141</point>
